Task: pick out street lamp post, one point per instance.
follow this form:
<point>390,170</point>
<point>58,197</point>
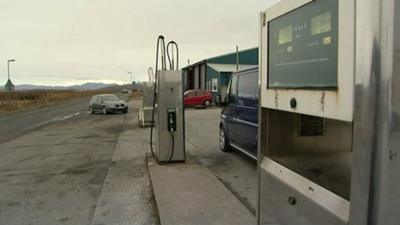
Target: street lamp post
<point>8,67</point>
<point>130,76</point>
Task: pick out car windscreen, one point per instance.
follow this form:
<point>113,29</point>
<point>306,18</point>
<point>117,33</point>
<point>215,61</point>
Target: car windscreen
<point>109,98</point>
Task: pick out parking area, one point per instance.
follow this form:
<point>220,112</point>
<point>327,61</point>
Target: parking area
<point>91,169</point>
<point>235,170</point>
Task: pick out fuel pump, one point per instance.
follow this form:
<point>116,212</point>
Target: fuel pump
<point>145,111</point>
<point>329,135</point>
<point>168,110</point>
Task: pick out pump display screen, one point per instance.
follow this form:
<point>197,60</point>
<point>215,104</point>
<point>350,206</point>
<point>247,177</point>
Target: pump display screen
<point>303,47</point>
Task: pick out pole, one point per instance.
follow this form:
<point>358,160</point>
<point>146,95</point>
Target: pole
<point>8,69</point>
<point>237,57</point>
<point>130,76</point>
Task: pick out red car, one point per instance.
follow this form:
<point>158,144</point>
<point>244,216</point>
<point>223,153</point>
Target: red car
<point>197,97</point>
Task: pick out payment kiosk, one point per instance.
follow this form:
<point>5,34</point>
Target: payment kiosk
<point>329,106</point>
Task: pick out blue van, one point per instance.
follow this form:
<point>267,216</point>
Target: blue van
<point>239,116</point>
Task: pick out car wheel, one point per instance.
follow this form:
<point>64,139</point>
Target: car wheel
<point>207,102</point>
<point>125,111</point>
<point>223,140</point>
<point>104,111</point>
<point>91,111</point>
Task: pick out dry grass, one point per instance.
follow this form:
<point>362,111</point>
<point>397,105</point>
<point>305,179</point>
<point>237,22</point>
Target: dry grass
<point>20,100</point>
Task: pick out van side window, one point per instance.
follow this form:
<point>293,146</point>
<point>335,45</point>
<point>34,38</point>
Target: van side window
<point>247,90</point>
<point>233,89</point>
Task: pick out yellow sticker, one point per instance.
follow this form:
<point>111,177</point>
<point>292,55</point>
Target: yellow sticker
<point>327,40</point>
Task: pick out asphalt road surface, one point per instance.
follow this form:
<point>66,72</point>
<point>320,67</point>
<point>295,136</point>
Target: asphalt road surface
<point>53,162</point>
<point>13,125</point>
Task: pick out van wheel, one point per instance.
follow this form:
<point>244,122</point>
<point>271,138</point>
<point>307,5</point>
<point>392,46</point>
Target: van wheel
<point>224,140</point>
<point>207,102</point>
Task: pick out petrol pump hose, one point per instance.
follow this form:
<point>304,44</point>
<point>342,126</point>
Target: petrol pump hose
<point>160,40</point>
<point>171,58</point>
<point>171,65</point>
<point>161,43</point>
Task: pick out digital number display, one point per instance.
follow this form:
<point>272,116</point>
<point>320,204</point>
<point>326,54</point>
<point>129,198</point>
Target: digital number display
<point>321,23</point>
<point>285,35</point>
<point>303,47</point>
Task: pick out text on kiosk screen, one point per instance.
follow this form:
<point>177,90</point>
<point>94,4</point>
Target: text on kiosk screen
<point>303,47</point>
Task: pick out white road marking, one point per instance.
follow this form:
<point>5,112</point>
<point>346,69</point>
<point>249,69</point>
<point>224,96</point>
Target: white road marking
<point>70,116</point>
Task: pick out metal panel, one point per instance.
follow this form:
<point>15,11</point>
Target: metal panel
<point>185,79</point>
<point>169,95</point>
<point>203,77</point>
<point>145,116</point>
<point>327,103</point>
<point>196,78</point>
<point>315,162</point>
<point>376,189</point>
<point>284,131</point>
<point>376,180</point>
<point>148,94</point>
<point>276,199</point>
<point>317,167</point>
<point>375,185</point>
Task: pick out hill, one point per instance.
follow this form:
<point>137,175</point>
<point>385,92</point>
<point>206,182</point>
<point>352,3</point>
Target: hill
<point>82,87</point>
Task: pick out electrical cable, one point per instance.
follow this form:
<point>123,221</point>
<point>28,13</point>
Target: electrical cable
<point>161,41</point>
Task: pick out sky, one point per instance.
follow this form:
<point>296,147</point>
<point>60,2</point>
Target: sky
<point>68,42</point>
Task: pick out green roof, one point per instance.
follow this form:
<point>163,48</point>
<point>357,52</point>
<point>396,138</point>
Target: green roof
<point>246,57</point>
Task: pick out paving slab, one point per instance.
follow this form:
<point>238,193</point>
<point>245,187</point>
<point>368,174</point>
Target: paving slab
<point>189,193</point>
<point>126,197</point>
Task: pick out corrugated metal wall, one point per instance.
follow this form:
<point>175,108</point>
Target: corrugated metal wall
<point>202,77</point>
<point>204,74</point>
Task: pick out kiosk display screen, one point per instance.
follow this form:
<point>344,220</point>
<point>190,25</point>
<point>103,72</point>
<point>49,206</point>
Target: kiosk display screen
<point>303,47</point>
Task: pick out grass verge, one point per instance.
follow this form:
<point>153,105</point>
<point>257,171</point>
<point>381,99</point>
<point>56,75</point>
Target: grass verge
<point>21,100</point>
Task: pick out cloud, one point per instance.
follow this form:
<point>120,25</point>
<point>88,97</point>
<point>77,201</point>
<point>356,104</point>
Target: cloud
<point>75,40</point>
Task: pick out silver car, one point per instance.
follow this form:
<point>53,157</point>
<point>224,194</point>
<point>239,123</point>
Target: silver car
<point>107,103</point>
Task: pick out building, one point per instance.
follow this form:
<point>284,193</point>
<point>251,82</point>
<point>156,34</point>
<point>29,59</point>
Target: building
<point>9,86</point>
<point>214,73</point>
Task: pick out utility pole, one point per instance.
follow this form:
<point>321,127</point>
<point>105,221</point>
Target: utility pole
<point>237,57</point>
<point>130,76</point>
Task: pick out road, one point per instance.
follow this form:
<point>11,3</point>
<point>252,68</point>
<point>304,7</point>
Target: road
<point>13,125</point>
<point>53,163</point>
